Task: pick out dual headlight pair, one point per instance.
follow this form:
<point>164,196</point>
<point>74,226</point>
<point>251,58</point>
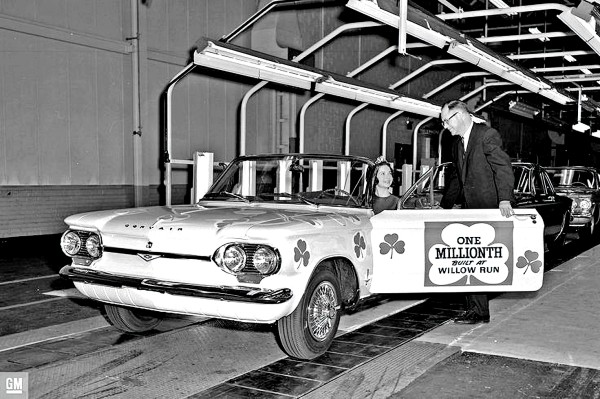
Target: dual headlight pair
<point>233,258</point>
<point>81,243</point>
<point>237,258</point>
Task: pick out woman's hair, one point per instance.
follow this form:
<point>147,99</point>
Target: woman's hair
<point>372,176</point>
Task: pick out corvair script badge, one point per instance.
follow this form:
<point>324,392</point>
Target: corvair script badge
<point>141,226</point>
<point>148,257</point>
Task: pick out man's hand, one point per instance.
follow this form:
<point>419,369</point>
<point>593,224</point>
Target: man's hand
<point>506,209</point>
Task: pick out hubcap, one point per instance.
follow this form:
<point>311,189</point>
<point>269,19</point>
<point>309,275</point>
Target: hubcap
<point>322,311</point>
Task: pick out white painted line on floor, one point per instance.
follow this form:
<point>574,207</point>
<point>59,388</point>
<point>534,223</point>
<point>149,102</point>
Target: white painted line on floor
<point>24,280</point>
<point>58,331</point>
<point>68,293</point>
<point>22,305</point>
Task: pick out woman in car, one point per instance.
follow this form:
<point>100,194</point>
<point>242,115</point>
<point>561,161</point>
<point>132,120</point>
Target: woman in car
<point>381,181</point>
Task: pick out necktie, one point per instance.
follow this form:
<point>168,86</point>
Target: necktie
<point>461,152</point>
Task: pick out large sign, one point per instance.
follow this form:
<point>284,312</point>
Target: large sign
<point>457,251</point>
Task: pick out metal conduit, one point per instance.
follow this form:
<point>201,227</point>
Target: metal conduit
<point>258,15</point>
<point>504,11</point>
<point>416,130</point>
<point>298,58</point>
<point>307,104</point>
<point>168,142</point>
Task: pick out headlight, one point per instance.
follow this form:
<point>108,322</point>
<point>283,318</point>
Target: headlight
<point>265,260</point>
<point>247,259</point>
<point>585,204</point>
<point>233,258</point>
<point>94,246</point>
<point>70,243</point>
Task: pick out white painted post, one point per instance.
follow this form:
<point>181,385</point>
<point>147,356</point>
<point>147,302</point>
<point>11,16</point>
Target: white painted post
<point>203,174</point>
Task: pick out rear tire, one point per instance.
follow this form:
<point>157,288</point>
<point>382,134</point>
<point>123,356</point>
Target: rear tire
<point>308,331</point>
<point>131,320</point>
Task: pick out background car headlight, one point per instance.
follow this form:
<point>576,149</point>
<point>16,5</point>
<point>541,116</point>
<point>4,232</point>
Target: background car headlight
<point>234,258</point>
<point>585,204</point>
<point>70,243</point>
<point>94,246</point>
<point>265,260</point>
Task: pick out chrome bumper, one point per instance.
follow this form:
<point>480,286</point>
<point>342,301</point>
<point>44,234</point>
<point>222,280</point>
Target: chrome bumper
<point>241,294</point>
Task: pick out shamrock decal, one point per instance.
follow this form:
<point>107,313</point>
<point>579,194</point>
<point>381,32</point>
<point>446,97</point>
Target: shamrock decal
<point>359,245</point>
<point>391,242</point>
<point>300,253</point>
<point>529,261</point>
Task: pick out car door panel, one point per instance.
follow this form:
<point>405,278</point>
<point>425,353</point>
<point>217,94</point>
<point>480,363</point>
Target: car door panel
<point>470,250</point>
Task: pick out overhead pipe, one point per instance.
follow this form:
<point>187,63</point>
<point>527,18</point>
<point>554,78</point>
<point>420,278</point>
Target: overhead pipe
<point>298,58</point>
<point>504,11</point>
<point>258,15</point>
<point>466,96</point>
<point>168,144</point>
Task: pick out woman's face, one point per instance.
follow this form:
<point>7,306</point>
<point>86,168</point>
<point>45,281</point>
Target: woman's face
<point>384,176</point>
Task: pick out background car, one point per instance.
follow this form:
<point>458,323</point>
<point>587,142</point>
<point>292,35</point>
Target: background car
<point>581,184</point>
<point>533,189</point>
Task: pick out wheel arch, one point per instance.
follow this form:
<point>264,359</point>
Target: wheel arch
<point>347,276</point>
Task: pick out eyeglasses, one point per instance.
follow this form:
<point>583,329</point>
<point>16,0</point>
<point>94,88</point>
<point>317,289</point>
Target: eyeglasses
<point>445,121</point>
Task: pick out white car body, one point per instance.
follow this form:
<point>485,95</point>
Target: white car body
<point>167,259</point>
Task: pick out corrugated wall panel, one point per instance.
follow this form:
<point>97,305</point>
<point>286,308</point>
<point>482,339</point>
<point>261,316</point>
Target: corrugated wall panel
<point>111,137</point>
<point>38,210</point>
<point>21,118</point>
<point>53,105</point>
<point>83,114</point>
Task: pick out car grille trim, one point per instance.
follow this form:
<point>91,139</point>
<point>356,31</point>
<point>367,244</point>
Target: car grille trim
<point>167,255</point>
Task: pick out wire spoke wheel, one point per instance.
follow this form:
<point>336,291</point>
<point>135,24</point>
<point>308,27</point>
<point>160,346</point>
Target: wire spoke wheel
<point>322,311</point>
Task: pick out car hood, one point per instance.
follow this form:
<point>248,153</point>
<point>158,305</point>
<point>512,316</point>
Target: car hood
<point>194,229</point>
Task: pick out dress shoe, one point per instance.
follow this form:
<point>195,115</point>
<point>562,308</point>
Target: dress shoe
<point>470,317</point>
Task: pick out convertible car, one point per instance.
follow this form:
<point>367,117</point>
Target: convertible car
<point>291,239</point>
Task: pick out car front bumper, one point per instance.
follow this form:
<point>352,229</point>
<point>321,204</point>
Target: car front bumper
<point>236,303</point>
<point>579,221</point>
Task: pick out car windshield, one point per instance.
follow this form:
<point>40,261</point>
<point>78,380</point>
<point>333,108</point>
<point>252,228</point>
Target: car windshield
<point>299,179</point>
<point>567,177</point>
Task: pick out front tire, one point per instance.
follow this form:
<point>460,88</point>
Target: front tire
<point>308,331</point>
<point>131,320</point>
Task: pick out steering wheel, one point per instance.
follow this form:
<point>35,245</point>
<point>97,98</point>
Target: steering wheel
<point>579,183</point>
<point>423,203</point>
<point>338,192</point>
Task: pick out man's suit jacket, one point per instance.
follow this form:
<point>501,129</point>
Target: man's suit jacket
<point>483,175</point>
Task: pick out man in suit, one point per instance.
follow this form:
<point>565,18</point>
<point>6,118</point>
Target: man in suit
<point>483,179</point>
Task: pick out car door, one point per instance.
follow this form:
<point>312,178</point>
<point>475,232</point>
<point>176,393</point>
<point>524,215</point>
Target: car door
<point>546,203</point>
<point>419,249</point>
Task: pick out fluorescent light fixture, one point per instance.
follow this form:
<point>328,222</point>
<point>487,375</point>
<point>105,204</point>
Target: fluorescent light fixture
<point>372,10</point>
<point>581,127</point>
<point>522,109</point>
<point>224,58</point>
<point>473,55</point>
<point>499,3</point>
<point>586,30</point>
<point>586,71</point>
<point>570,58</point>
<point>502,4</point>
<point>536,31</point>
<point>596,134</point>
